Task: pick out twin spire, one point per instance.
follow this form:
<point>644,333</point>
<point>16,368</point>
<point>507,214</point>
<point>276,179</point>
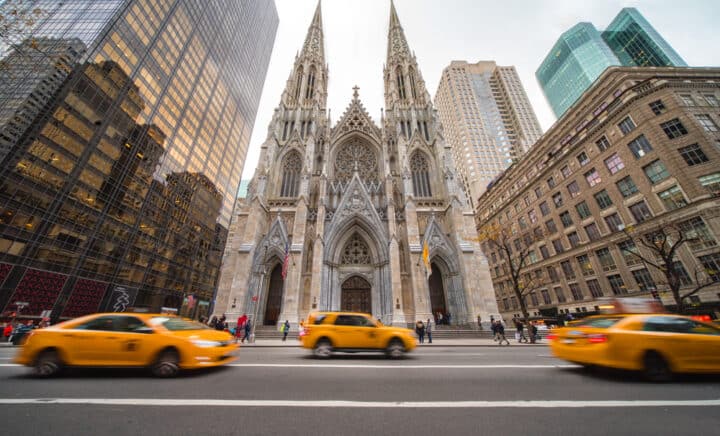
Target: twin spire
<point>315,41</point>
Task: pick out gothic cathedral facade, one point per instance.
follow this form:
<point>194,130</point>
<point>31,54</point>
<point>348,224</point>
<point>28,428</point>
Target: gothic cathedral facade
<point>337,217</point>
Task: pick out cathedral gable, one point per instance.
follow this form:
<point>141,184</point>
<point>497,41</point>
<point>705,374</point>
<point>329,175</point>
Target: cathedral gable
<point>355,119</point>
<point>356,203</point>
<point>435,237</point>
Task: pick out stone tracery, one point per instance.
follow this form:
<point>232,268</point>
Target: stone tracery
<point>356,155</point>
<point>356,251</point>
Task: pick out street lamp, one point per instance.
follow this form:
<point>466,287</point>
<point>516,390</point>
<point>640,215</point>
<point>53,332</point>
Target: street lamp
<point>256,297</point>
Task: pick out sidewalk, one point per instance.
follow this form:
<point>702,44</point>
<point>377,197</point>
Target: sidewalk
<point>436,343</point>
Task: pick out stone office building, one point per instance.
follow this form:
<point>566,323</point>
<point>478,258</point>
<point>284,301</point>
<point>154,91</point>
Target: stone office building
<point>639,152</point>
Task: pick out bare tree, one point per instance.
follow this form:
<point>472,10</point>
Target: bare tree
<point>663,243</point>
<point>516,251</point>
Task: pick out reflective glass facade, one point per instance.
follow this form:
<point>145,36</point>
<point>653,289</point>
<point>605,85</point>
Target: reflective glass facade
<point>573,64</point>
<point>636,43</point>
<point>123,150</point>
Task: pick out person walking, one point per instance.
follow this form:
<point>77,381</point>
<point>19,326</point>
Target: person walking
<point>248,328</point>
<point>428,331</point>
<point>501,333</point>
<point>285,330</point>
<point>493,327</point>
<point>532,331</point>
<point>420,330</point>
<point>240,327</point>
<point>7,331</point>
<point>521,331</point>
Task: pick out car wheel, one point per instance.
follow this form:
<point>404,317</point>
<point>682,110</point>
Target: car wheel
<point>47,364</point>
<point>655,367</point>
<point>167,364</point>
<point>395,349</point>
<point>323,349</point>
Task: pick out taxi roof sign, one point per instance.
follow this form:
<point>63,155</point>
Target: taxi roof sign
<point>631,305</point>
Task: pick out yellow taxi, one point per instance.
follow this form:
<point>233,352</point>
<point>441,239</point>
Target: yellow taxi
<point>164,343</point>
<point>655,343</point>
<point>351,332</point>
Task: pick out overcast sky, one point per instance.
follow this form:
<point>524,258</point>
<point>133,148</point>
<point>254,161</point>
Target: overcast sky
<point>509,32</point>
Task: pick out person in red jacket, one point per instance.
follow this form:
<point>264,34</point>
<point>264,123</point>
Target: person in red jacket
<point>7,331</point>
<point>240,327</point>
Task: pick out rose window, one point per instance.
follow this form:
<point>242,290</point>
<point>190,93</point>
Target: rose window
<point>356,156</point>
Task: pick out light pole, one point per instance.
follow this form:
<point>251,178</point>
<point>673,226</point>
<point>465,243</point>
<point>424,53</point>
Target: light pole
<point>259,291</point>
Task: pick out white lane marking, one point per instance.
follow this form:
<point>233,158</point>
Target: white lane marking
<point>9,364</point>
<point>301,365</point>
<point>361,404</point>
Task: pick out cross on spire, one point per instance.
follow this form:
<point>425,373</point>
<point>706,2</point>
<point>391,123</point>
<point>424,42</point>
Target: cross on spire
<point>355,92</point>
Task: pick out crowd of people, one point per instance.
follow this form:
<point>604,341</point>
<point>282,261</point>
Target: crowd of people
<point>16,329</point>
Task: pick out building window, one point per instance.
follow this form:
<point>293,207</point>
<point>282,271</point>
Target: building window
<point>558,246</point>
<point>711,100</point>
<point>582,159</point>
<point>534,299</point>
<point>544,208</point>
<point>693,154</point>
<point>573,188</point>
<point>603,199</point>
<point>656,171</point>
<point>544,252</point>
<point>560,295</point>
<point>538,192</point>
<point>674,128</point>
<point>545,296</point>
<point>593,177</point>
<point>533,216</point>
<point>682,273</point>
<point>697,233</point>
<point>644,280</point>
<point>617,285</point>
<point>711,264</point>
<point>606,260</point>
<point>514,302</point>
<point>640,211</point>
<point>706,122</point>
<point>292,166</point>
<point>574,239</point>
<point>657,107</point>
<point>711,182</point>
<point>583,210</point>
<point>626,125</point>
<point>567,270</point>
<point>672,198</point>
<point>522,223</point>
<point>566,219</point>
<point>602,144</point>
<point>592,231</point>
<point>614,163</point>
<point>614,222</point>
<point>506,304</point>
<point>586,267</point>
<point>552,273</point>
<point>565,171</point>
<point>420,175</point>
<point>627,248</point>
<point>687,99</point>
<point>575,291</point>
<point>594,287</point>
<point>552,228</point>
<point>626,186</point>
<point>640,146</point>
<point>551,182</point>
<point>557,199</point>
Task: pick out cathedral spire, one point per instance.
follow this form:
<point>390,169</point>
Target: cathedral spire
<point>397,44</point>
<point>314,41</point>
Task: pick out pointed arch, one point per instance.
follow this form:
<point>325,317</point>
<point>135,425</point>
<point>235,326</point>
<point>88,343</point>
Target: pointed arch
<point>400,82</point>
<point>420,169</point>
<point>413,86</point>
<point>308,257</point>
<point>291,167</point>
<point>310,89</point>
<point>298,83</point>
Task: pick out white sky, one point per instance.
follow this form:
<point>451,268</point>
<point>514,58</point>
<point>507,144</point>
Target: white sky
<point>509,32</point>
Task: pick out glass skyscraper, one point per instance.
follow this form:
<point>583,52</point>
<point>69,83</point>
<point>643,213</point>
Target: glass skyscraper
<point>636,43</point>
<point>582,53</point>
<point>125,126</point>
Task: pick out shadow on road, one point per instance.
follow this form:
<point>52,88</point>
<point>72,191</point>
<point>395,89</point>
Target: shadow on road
<point>624,376</point>
<point>358,356</point>
<point>121,373</point>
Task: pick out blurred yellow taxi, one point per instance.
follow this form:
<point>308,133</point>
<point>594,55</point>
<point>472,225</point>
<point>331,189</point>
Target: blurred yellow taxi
<point>164,343</point>
<point>351,332</point>
<point>654,343</point>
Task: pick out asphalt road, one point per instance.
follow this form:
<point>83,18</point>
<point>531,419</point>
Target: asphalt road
<point>438,390</point>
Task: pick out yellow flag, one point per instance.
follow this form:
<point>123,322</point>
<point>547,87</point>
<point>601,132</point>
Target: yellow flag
<point>426,259</point>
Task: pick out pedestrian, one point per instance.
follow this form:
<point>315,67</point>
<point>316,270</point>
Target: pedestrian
<point>440,317</point>
<point>532,331</point>
<point>285,330</point>
<point>493,327</point>
<point>520,335</point>
<point>449,318</point>
<point>7,331</point>
<point>248,327</point>
<point>213,322</point>
<point>501,333</point>
<point>221,324</point>
<point>428,331</point>
<point>420,330</point>
<point>479,322</point>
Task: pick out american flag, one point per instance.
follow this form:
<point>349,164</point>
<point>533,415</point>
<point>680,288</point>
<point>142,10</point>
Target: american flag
<point>190,301</point>
<point>286,261</point>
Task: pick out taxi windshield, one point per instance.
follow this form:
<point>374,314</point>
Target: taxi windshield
<point>176,324</point>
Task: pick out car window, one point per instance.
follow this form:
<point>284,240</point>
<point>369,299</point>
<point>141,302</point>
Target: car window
<point>319,319</point>
<point>602,323</point>
<point>103,323</point>
<point>345,320</point>
<point>128,324</point>
<point>679,325</point>
<point>176,324</point>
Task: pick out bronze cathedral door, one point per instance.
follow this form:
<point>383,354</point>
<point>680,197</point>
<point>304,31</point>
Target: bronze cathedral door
<point>356,295</point>
<point>274,298</point>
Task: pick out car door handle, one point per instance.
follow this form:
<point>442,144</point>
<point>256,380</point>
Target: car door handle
<point>110,337</point>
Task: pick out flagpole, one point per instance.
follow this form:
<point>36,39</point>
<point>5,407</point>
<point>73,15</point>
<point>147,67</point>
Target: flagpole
<point>259,291</point>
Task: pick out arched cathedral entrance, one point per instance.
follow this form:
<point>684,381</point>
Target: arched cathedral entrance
<point>355,295</point>
<point>274,298</point>
<point>438,303</point>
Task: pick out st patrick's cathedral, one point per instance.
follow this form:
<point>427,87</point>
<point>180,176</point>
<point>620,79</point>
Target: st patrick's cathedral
<point>352,206</point>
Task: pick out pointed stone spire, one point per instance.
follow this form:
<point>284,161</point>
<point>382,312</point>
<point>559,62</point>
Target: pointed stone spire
<point>397,44</point>
<point>315,41</point>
